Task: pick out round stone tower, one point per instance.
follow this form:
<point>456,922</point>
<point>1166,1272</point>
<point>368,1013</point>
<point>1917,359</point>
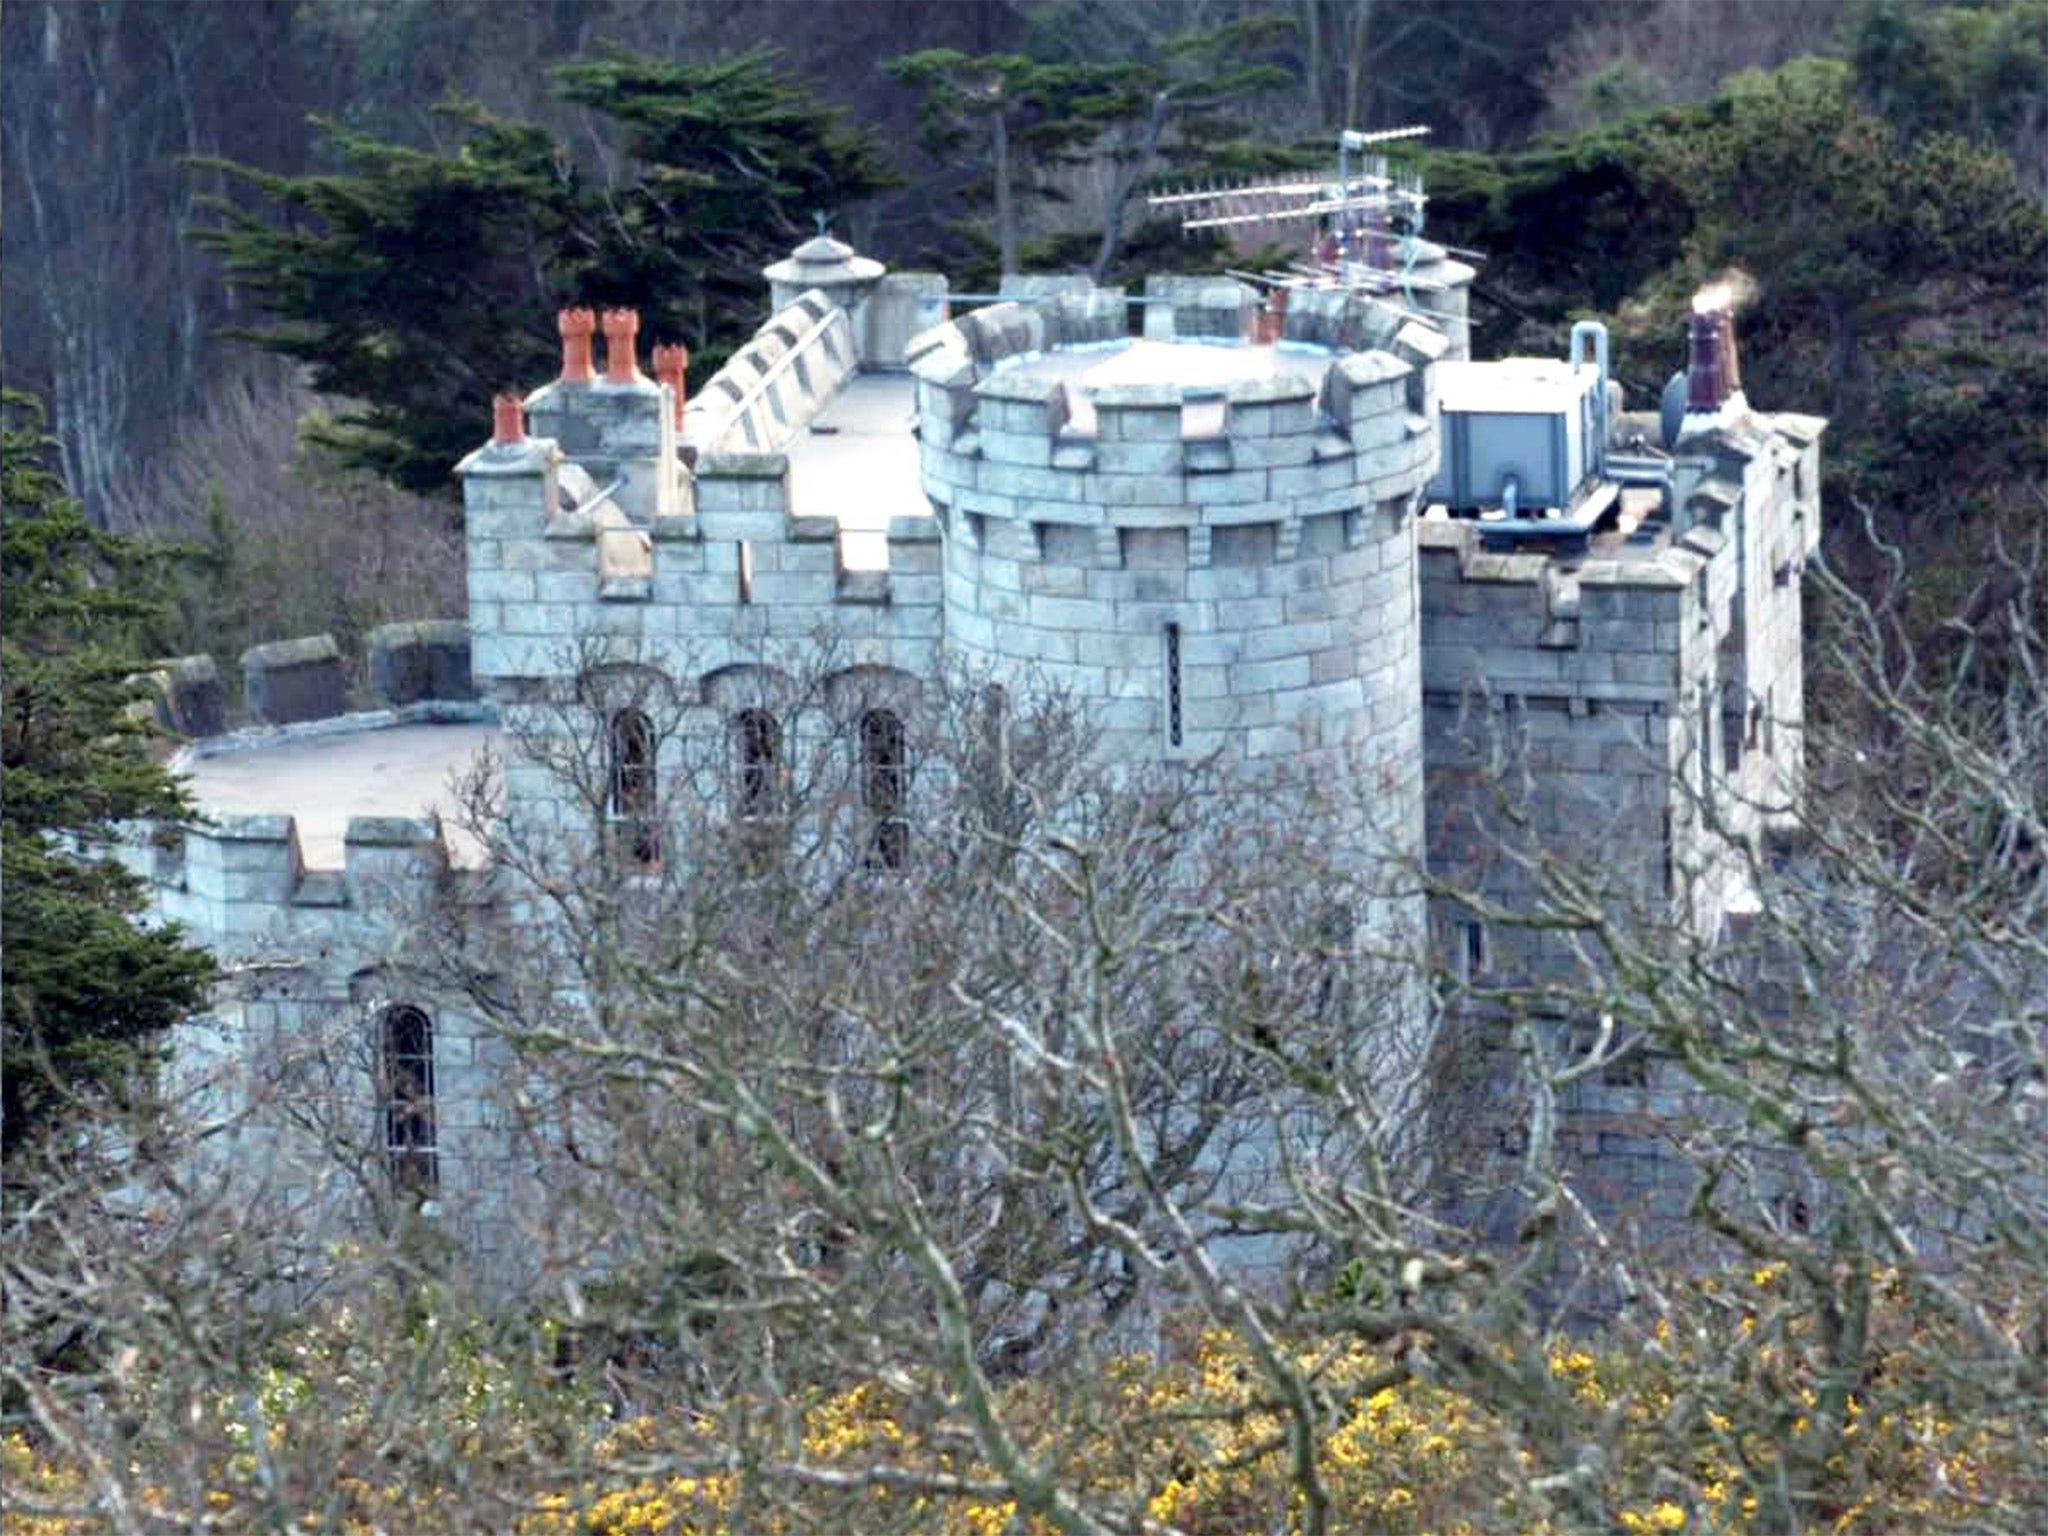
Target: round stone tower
<point>1210,544</point>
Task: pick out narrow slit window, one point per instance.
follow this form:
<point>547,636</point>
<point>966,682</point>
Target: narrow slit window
<point>758,739</point>
<point>632,805</point>
<point>406,1073</point>
<point>1174,726</point>
<point>746,570</point>
<point>885,788</point>
<point>1709,755</point>
<point>1473,949</point>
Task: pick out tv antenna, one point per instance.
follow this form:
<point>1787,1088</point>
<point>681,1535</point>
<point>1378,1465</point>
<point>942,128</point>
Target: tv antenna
<point>1367,220</point>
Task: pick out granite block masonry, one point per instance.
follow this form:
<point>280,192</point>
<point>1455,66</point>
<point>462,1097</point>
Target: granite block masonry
<point>426,659</point>
<point>1220,546</point>
<point>292,680</point>
<point>186,697</point>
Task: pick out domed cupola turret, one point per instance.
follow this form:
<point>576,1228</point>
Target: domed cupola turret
<point>832,267</point>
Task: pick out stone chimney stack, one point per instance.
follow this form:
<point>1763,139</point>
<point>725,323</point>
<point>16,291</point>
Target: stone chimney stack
<point>1710,367</point>
<point>614,427</point>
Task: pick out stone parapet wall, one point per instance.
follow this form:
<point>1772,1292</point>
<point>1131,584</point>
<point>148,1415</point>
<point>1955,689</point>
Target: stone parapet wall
<point>286,681</point>
<point>544,587</point>
<point>422,660</point>
<point>240,881</point>
<point>771,388</point>
<point>1221,569</point>
<point>1523,622</point>
<point>185,697</point>
<point>298,682</point>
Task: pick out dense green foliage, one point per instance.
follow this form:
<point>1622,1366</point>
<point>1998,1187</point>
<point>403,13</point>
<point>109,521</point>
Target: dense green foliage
<point>419,282</point>
<point>86,992</point>
<point>1021,120</point>
<point>1890,273</point>
<point>1979,72</point>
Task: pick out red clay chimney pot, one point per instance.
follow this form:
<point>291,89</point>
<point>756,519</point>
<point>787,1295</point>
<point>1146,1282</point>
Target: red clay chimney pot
<point>508,419</point>
<point>620,327</point>
<point>577,326</point>
<point>671,366</point>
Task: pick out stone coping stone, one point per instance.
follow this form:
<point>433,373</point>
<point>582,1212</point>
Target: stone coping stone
<point>289,681</point>
<point>186,696</point>
<point>1015,384</point>
<point>1135,396</point>
<point>393,831</point>
<point>913,529</point>
<point>528,456</point>
<point>257,738</point>
<point>742,466</point>
<point>246,827</point>
<point>422,659</point>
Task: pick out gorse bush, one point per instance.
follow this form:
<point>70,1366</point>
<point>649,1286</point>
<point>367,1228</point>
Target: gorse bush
<point>456,1426</point>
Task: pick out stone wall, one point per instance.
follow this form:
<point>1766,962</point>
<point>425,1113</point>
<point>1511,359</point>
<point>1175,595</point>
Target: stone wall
<point>284,1062</point>
<point>1631,714</point>
<point>1553,721</point>
<point>1242,551</point>
<point>296,682</point>
<point>739,577</point>
<point>771,387</point>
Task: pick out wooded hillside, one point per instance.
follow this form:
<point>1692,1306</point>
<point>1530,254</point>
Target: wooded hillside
<point>393,194</point>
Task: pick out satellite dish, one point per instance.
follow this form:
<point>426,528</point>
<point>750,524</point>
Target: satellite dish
<point>1671,412</point>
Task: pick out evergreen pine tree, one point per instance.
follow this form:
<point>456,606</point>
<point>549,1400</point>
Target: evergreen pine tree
<point>87,993</point>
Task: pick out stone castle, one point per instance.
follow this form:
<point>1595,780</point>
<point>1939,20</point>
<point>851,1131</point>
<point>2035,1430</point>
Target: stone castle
<point>1300,536</point>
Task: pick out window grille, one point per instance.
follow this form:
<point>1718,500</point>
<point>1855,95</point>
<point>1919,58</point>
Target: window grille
<point>632,798</point>
<point>406,1073</point>
<point>885,787</point>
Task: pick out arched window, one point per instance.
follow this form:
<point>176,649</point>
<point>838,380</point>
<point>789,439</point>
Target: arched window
<point>632,804</point>
<point>405,1070</point>
<point>885,788</point>
<point>757,739</point>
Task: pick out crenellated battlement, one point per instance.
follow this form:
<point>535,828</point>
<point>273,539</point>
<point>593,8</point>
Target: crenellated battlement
<point>1208,536</point>
<point>608,521</point>
<point>263,857</point>
<point>242,879</point>
<point>1026,413</point>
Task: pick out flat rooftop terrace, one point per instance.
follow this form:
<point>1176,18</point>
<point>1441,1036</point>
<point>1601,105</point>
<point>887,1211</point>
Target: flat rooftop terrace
<point>858,463</point>
<point>1194,365</point>
<point>344,769</point>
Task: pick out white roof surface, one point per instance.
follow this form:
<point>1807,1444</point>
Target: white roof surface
<point>858,463</point>
<point>325,778</point>
<point>1514,386</point>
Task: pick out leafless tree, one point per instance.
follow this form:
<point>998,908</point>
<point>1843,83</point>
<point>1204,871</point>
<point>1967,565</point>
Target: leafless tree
<point>1097,1061</point>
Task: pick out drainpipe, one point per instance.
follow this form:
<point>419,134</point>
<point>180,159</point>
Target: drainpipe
<point>1593,332</point>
